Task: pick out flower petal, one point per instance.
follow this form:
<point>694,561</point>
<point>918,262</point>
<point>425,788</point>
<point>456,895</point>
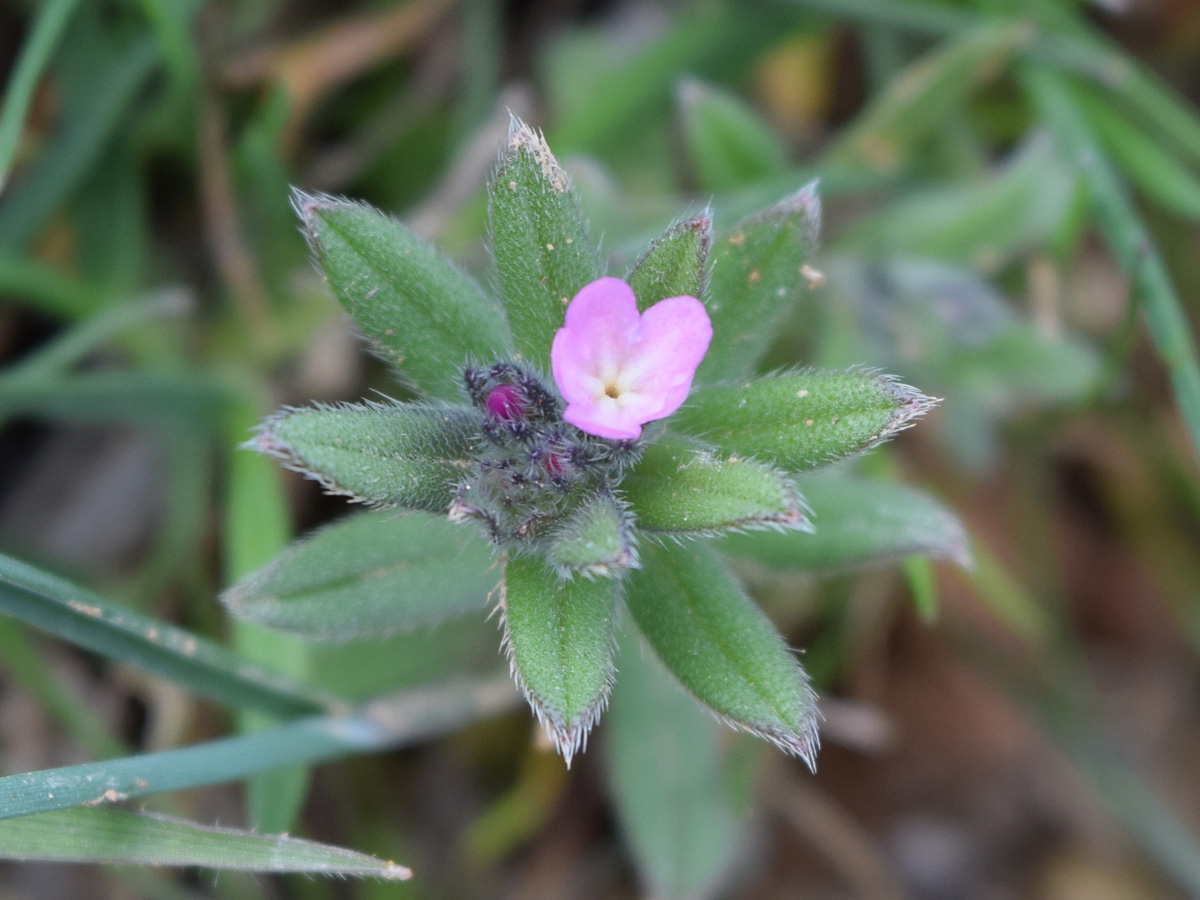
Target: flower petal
<point>676,333</point>
<point>618,369</point>
<point>605,315</point>
<point>604,420</point>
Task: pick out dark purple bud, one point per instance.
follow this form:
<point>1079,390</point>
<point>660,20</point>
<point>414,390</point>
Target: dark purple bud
<point>505,403</point>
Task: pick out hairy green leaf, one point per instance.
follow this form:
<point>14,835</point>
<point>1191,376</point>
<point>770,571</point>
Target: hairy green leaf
<point>370,576</point>
<point>539,240</point>
<point>559,639</point>
<point>802,420</point>
<point>681,488</point>
<point>759,272</point>
<point>419,311</point>
<point>721,647</point>
<point>675,264</point>
<point>385,454</point>
<point>595,538</point>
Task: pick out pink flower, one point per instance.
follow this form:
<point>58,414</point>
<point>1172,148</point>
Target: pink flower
<point>618,369</point>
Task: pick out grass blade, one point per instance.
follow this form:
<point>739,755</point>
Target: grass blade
<point>70,153</point>
<point>381,724</point>
<point>84,618</point>
<point>1128,238</point>
<point>116,836</point>
<point>51,20</point>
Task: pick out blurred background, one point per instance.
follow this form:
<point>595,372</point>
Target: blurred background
<point>1012,201</point>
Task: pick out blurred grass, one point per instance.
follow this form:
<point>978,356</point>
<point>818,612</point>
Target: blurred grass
<point>1005,185</point>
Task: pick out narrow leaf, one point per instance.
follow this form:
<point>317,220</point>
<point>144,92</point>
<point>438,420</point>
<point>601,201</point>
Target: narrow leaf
<point>84,618</point>
<point>386,723</point>
<point>802,420</point>
<point>1129,240</point>
<point>680,488</point>
<point>419,311</point>
<point>858,522</point>
<point>368,577</point>
<point>728,144</point>
<point>539,240</point>
<point>38,48</point>
<point>666,766</point>
<point>559,639</point>
<point>675,265</point>
<point>1149,165</point>
<point>257,526</point>
<point>385,454</point>
<point>721,647</point>
<point>116,836</point>
<point>595,539</point>
<point>759,272</point>
<point>190,400</point>
<point>919,101</point>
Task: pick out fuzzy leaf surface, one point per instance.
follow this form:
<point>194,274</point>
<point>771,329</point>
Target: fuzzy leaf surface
<point>595,538</point>
<point>720,646</point>
<point>385,454</point>
<point>802,420</point>
<point>756,279</point>
<point>681,488</point>
<point>369,576</point>
<point>667,772</point>
<point>420,312</point>
<point>539,240</point>
<point>559,637</point>
<point>859,521</point>
<point>675,265</point>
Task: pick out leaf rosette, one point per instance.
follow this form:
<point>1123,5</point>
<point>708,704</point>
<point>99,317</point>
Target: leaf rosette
<point>599,488</point>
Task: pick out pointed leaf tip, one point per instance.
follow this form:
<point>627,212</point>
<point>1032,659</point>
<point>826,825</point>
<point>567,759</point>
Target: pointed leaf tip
<point>421,312</point>
<point>758,275</point>
<point>383,454</point>
<point>560,640</point>
<point>803,420</point>
<point>721,647</point>
<point>675,264</point>
<point>540,241</point>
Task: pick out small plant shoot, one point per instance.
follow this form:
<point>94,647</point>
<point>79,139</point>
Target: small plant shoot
<point>599,433</point>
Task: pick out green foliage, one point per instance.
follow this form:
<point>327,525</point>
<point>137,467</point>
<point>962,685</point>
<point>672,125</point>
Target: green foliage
<point>540,241</point>
<point>81,617</point>
<point>420,312</point>
<point>758,275</point>
<point>728,145</point>
<point>383,723</point>
<point>668,770</point>
<point>675,264</point>
<point>368,577</point>
<point>803,420</point>
<point>713,638</point>
<point>559,636</point>
<point>683,489</point>
<point>857,522</point>
<point>384,454</point>
<point>115,836</point>
<point>595,538</point>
